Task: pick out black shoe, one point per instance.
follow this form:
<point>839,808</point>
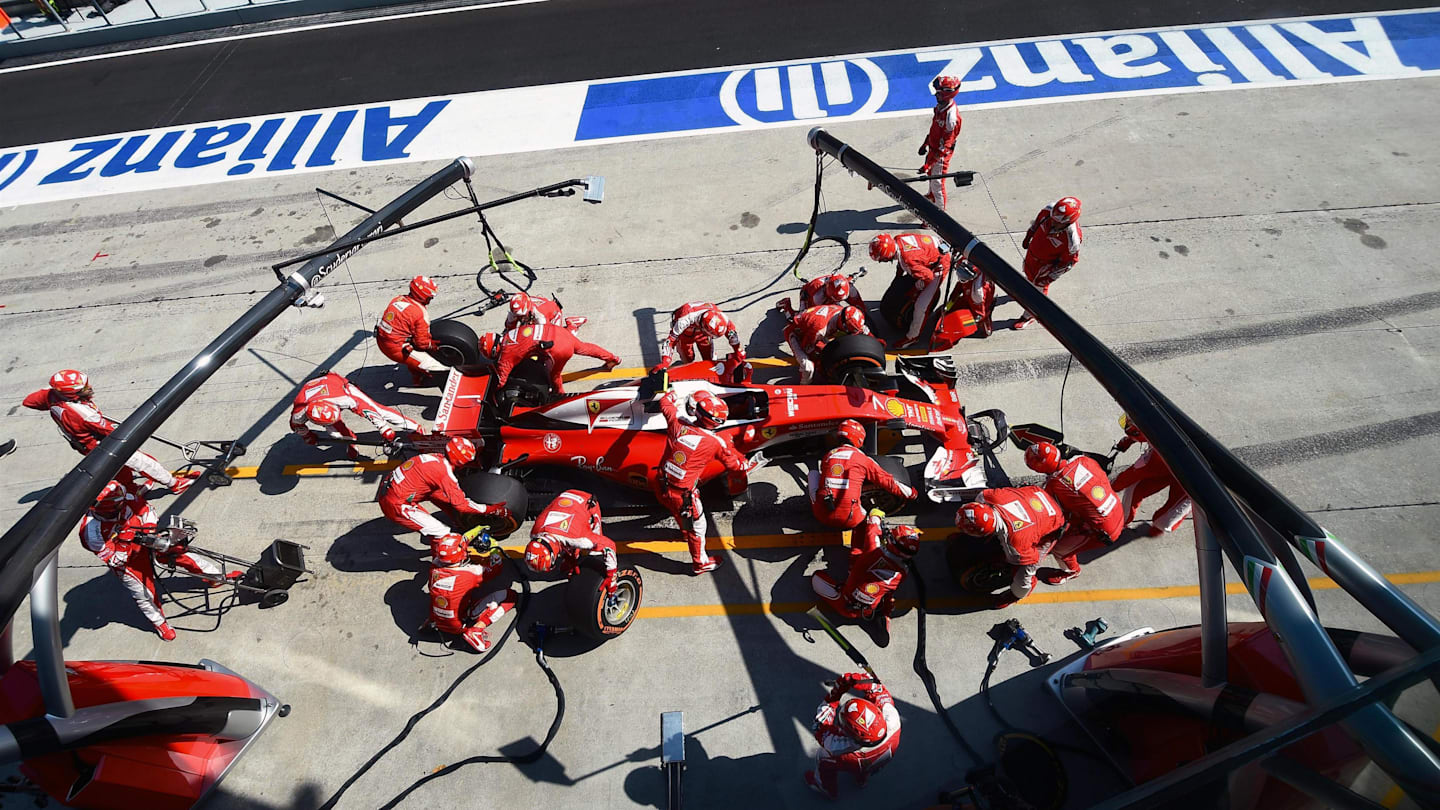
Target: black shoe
<point>7,447</point>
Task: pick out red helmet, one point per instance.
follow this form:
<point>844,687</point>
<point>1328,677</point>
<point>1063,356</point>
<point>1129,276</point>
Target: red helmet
<point>710,411</point>
<point>838,288</point>
<point>110,498</point>
<point>945,87</point>
<point>490,344</point>
<point>422,289</point>
<point>449,549</point>
<point>904,541</point>
<point>977,519</point>
<point>1065,210</point>
<point>852,321</point>
<point>71,384</point>
<point>522,306</point>
<point>882,248</point>
<point>714,324</point>
<point>322,412</point>
<point>1043,457</point>
<point>541,553</point>
<point>851,432</point>
<point>460,451</point>
<point>1131,429</point>
<point>863,721</point>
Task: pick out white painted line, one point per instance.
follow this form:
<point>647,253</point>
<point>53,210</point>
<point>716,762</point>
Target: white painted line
<point>278,32</point>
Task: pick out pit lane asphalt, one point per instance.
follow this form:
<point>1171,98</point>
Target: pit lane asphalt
<point>543,43</point>
<point>1252,289</point>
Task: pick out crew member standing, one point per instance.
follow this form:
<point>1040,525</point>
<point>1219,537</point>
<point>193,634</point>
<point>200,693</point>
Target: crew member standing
<point>939,143</point>
<point>858,736</point>
<point>1052,247</point>
<point>690,445</point>
<point>1147,476</point>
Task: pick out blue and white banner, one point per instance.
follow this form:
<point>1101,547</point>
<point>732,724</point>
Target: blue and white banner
<point>1171,60</point>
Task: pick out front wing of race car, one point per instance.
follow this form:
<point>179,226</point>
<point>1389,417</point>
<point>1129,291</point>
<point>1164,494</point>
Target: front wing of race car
<point>618,433</point>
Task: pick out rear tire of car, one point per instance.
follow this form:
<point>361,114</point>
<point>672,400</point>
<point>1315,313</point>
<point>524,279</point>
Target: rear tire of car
<point>876,498</point>
<point>456,344</point>
<point>896,306</point>
<point>496,490</point>
<point>847,359</point>
<point>977,565</point>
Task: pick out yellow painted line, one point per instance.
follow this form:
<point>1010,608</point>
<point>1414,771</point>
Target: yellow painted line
<point>1041,597</point>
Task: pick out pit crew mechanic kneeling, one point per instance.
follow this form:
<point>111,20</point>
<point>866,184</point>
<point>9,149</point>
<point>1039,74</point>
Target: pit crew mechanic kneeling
<point>690,445</point>
<point>431,477</point>
<point>814,328</point>
<point>403,331</point>
<point>457,605</point>
<point>844,473</point>
<point>835,288</point>
<point>1027,523</point>
<point>697,325</point>
<point>858,737</point>
<point>567,536</point>
<point>877,567</point>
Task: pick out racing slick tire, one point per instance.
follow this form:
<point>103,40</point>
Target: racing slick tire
<point>977,565</point>
<point>593,614</point>
<point>850,355</point>
<point>875,498</point>
<point>528,386</point>
<point>456,344</point>
<point>496,490</point>
<point>897,306</point>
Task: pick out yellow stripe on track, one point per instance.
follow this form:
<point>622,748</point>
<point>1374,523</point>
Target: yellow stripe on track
<point>1042,597</point>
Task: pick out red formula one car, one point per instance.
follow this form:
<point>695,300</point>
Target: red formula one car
<point>618,434</point>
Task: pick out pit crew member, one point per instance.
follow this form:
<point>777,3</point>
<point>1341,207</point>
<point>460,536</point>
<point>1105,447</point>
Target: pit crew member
<point>835,288</point>
<point>697,325</point>
<point>857,736</point>
<point>1083,491</point>
<point>458,604</point>
<point>431,477</point>
<point>71,403</point>
<point>120,529</point>
<point>1148,476</point>
<point>323,401</point>
<point>814,328</point>
<point>545,339</point>
<point>1052,247</point>
<point>877,567</point>
<point>939,143</point>
<point>844,473</point>
<point>525,308</point>
<point>403,331</point>
<point>567,535</point>
<point>1026,522</point>
<point>926,260</point>
<point>690,445</point>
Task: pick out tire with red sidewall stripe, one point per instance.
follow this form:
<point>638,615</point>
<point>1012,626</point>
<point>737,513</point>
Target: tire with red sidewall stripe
<point>593,614</point>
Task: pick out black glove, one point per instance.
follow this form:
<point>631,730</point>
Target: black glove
<point>922,150</point>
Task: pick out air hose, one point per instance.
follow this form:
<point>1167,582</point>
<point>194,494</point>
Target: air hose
<point>519,759</point>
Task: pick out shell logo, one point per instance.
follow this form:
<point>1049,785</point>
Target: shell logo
<point>872,589</point>
<point>389,315</point>
<point>894,407</point>
<point>526,332</point>
<point>836,469</point>
<point>1097,493</point>
<point>564,502</point>
<point>679,457</point>
<point>441,602</point>
<point>1037,505</point>
<point>408,464</point>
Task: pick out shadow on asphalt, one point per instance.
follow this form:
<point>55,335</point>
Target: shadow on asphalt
<point>374,546</point>
<point>99,601</point>
<point>843,222</point>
